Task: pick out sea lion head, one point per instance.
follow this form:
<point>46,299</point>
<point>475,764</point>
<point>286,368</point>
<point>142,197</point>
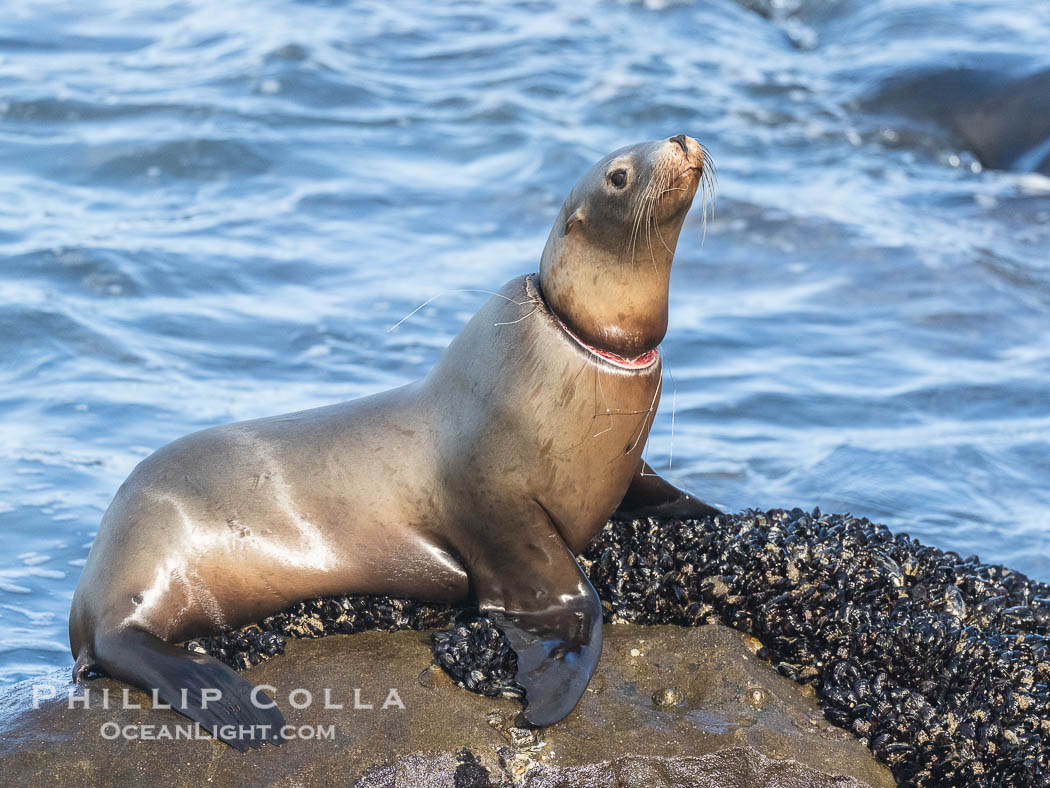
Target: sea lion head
<point>607,263</point>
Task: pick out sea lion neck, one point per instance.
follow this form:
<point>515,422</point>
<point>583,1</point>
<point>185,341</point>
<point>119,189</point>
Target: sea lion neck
<point>639,362</point>
<point>606,267</point>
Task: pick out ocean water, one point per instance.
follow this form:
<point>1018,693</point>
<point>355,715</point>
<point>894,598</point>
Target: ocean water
<point>216,211</point>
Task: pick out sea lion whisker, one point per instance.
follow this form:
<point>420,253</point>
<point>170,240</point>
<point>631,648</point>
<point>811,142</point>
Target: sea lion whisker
<point>644,220</point>
<point>651,201</point>
<point>599,387</point>
<point>674,397</point>
<point>637,229</point>
<point>658,233</point>
<point>629,235</point>
<point>512,322</point>
<point>708,179</point>
<point>583,366</point>
<point>649,235</point>
<point>595,396</point>
<point>621,413</point>
<point>661,237</point>
<point>652,407</point>
<point>432,299</point>
<point>598,378</point>
<point>663,189</point>
<point>636,220</point>
<point>655,227</point>
<point>645,204</point>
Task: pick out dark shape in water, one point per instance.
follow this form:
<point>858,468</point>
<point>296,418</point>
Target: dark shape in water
<point>1004,120</point>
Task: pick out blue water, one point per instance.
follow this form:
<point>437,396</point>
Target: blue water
<point>215,211</point>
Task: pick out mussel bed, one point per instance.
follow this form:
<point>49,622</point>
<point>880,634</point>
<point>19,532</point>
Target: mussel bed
<point>940,664</point>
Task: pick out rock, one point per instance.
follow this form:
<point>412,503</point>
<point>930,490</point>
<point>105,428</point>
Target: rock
<point>938,663</point>
<point>667,706</point>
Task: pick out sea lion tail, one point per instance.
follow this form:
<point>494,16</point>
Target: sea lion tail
<point>188,682</point>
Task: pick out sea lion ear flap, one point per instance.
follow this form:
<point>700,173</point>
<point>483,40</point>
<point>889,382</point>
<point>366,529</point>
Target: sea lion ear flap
<point>575,218</point>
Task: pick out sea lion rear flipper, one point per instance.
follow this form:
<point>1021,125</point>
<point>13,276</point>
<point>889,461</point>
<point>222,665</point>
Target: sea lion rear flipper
<point>180,677</point>
<point>650,495</point>
<point>552,617</point>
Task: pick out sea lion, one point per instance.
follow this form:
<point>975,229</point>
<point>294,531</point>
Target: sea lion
<point>998,110</point>
<point>479,481</point>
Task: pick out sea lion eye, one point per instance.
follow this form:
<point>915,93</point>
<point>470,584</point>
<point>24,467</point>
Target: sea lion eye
<point>618,178</point>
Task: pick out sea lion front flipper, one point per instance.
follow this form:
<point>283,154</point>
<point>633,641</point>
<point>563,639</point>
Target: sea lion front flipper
<point>651,496</point>
<point>557,650</point>
<point>552,617</point>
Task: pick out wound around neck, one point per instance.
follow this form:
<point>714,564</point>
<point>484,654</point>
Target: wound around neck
<point>646,359</point>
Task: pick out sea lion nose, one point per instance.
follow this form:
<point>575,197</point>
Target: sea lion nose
<point>682,141</point>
